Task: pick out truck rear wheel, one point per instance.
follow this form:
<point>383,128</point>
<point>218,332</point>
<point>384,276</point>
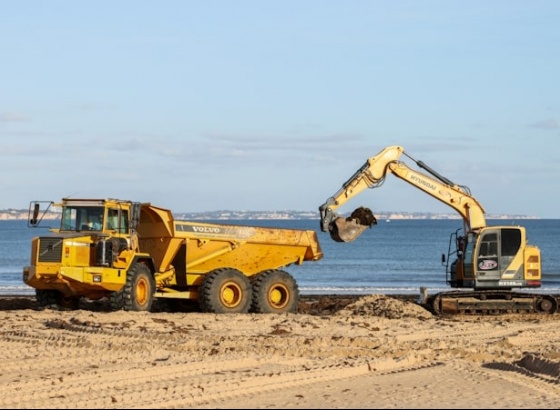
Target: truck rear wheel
<point>138,291</point>
<point>225,291</point>
<point>275,291</point>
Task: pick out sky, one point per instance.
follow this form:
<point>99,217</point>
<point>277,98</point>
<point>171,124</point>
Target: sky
<point>255,105</point>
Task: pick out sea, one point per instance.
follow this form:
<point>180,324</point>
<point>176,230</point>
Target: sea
<point>397,256</point>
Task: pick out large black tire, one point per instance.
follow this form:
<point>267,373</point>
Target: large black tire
<point>46,298</point>
<point>55,300</point>
<point>275,291</point>
<point>225,291</point>
<point>138,291</point>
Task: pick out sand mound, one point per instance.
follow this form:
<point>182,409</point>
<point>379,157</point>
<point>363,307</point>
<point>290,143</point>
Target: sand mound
<point>385,306</point>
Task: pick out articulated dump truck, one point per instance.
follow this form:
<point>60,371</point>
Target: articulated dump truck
<point>132,253</point>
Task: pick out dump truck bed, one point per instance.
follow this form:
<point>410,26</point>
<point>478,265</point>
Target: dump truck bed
<point>250,249</point>
<point>202,247</point>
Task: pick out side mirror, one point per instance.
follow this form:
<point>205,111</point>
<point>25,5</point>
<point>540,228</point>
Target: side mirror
<point>34,219</point>
<point>442,258</point>
<point>37,211</point>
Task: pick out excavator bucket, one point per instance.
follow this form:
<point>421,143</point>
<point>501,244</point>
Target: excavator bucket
<point>348,229</point>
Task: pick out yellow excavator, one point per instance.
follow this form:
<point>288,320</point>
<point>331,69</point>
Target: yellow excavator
<point>486,263</point>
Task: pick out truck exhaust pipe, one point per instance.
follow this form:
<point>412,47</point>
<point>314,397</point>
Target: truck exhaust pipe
<point>350,228</point>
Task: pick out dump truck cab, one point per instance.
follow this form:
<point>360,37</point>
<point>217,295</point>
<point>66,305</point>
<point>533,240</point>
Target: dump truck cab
<point>92,245</point>
<point>107,222</point>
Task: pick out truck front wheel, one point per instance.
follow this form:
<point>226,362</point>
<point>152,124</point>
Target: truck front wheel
<point>275,291</point>
<point>225,291</point>
<point>138,292</point>
<point>55,300</point>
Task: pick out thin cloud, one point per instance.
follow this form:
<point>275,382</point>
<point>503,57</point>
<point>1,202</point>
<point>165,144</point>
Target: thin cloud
<point>545,125</point>
<point>12,117</point>
<point>284,142</point>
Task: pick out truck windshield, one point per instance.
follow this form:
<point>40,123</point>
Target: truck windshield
<point>82,218</point>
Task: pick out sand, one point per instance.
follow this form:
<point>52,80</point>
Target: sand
<point>375,352</point>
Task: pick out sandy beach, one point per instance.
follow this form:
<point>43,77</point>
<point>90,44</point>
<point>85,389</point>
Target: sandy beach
<point>369,351</point>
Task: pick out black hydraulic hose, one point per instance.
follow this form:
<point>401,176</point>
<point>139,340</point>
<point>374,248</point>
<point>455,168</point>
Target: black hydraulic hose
<point>431,171</point>
<point>361,170</point>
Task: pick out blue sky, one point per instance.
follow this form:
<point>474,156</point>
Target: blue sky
<point>273,105</point>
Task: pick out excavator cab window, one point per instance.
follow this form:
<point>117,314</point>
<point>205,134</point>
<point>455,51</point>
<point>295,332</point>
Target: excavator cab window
<point>488,245</point>
<point>511,241</point>
<point>488,257</point>
<point>469,247</point>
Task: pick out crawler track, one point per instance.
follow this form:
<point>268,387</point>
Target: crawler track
<point>491,302</point>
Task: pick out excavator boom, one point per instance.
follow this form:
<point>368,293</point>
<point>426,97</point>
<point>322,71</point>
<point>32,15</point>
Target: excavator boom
<point>372,174</point>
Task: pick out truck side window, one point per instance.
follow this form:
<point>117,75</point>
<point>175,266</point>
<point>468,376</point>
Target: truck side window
<point>124,221</point>
<point>112,219</point>
<point>117,220</point>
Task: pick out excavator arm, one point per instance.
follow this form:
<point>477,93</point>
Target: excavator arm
<point>372,175</point>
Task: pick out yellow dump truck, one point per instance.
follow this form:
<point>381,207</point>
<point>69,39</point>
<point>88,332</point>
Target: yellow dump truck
<point>132,252</point>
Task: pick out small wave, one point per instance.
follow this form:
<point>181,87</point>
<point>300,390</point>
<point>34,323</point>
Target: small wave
<point>11,270</point>
<point>16,290</point>
<point>366,290</point>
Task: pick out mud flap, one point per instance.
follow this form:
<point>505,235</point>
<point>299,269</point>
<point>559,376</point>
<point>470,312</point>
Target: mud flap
<point>348,229</point>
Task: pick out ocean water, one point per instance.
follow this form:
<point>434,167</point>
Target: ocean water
<point>393,257</point>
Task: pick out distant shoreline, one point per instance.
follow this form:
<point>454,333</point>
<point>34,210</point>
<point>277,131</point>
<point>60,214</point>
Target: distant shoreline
<point>18,214</point>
